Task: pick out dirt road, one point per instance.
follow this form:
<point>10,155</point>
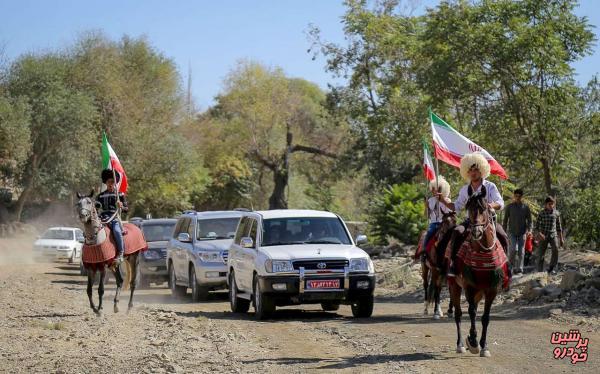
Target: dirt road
<point>46,326</point>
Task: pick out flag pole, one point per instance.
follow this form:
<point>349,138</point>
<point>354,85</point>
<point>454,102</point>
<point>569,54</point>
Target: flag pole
<point>437,181</point>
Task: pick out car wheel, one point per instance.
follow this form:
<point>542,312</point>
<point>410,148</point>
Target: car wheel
<point>199,293</point>
<point>238,305</point>
<point>263,304</point>
<point>176,291</point>
<point>330,306</point>
<point>143,281</point>
<point>82,269</point>
<point>363,308</point>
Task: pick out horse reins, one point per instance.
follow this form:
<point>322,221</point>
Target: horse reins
<point>488,224</point>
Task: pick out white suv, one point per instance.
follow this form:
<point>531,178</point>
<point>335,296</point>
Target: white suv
<point>291,257</point>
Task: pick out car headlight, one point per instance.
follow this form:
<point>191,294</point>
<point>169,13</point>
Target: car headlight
<point>360,264</point>
<point>152,255</point>
<point>278,266</point>
<point>210,256</point>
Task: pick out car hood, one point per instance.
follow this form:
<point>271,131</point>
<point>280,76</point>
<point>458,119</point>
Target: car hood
<point>213,245</point>
<point>53,242</point>
<point>158,245</point>
<point>313,251</point>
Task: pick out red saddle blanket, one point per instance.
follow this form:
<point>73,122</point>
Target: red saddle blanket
<point>106,252</point>
<point>483,269</point>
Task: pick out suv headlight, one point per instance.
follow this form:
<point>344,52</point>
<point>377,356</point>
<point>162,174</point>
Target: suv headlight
<point>361,264</point>
<point>278,266</point>
<point>152,255</point>
<point>210,256</point>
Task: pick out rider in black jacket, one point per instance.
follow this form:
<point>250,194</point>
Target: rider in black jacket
<point>110,199</point>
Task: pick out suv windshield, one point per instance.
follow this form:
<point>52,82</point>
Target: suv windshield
<point>217,228</point>
<point>157,232</point>
<point>321,230</point>
<point>58,234</point>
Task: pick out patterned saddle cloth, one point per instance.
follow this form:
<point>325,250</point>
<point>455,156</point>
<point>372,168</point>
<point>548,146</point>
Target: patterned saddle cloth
<point>482,268</point>
<point>106,252</point>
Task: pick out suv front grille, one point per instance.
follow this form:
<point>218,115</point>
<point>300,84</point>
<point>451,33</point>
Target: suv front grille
<point>314,264</point>
<point>163,253</point>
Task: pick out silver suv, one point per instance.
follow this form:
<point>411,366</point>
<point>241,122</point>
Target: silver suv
<point>197,254</point>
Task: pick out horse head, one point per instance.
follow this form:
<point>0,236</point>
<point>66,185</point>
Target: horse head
<point>85,207</point>
<point>479,214</point>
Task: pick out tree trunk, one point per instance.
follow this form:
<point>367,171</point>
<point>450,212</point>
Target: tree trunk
<point>277,199</point>
<point>23,198</point>
<point>547,176</point>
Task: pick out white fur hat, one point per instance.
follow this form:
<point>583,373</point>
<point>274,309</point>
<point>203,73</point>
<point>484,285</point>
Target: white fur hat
<point>476,160</point>
<point>444,186</point>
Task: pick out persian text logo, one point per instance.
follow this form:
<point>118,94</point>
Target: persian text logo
<point>577,353</point>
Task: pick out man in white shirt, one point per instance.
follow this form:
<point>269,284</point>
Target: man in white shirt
<point>475,169</point>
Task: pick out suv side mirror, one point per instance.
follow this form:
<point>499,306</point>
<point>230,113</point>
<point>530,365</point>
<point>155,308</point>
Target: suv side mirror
<point>184,237</point>
<point>361,239</point>
<point>247,242</point>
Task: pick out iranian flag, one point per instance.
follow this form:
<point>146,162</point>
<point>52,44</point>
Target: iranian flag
<point>111,161</point>
<point>450,146</point>
<point>427,164</point>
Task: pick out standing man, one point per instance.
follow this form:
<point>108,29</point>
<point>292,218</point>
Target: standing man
<point>549,230</point>
<point>517,220</point>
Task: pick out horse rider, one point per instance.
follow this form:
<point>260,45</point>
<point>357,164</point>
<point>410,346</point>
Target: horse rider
<point>474,168</point>
<point>111,200</point>
<point>435,210</point>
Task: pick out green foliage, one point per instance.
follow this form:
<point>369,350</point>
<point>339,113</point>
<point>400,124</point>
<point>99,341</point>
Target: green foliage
<point>14,135</point>
<point>585,217</point>
<point>398,212</point>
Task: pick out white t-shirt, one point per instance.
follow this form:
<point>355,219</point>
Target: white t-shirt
<point>436,213</point>
<point>492,195</point>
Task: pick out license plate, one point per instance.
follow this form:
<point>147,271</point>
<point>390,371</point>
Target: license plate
<point>323,284</point>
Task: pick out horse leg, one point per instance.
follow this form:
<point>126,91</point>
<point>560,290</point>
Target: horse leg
<point>425,277</point>
<point>450,311</point>
<point>101,290</point>
<point>437,288</point>
<point>119,281</point>
<point>490,295</point>
<point>472,338</point>
<point>134,261</point>
<point>455,292</point>
<point>90,285</point>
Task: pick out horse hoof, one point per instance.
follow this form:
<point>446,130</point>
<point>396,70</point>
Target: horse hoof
<point>436,316</point>
<point>461,349</point>
<point>116,309</point>
<point>473,349</point>
<point>450,314</point>
<point>485,353</point>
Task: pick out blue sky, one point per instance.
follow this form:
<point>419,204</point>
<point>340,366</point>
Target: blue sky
<point>209,36</point>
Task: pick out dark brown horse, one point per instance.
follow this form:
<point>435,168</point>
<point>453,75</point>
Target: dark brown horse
<point>433,269</point>
<point>99,252</point>
<point>482,268</point>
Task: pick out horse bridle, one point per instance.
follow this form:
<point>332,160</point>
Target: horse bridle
<point>490,222</point>
<point>94,213</point>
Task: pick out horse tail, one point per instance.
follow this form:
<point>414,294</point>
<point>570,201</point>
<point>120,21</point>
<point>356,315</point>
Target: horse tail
<point>127,279</point>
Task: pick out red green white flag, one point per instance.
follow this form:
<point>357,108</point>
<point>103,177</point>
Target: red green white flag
<point>111,161</point>
<point>427,163</point>
<point>450,146</point>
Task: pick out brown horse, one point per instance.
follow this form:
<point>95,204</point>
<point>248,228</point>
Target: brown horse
<point>433,270</point>
<point>481,268</point>
<point>99,252</point>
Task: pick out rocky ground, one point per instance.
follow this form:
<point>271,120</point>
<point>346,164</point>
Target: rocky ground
<point>46,326</point>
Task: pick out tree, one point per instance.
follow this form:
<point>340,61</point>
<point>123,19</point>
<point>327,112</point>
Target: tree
<point>503,68</point>
<point>61,123</point>
<point>14,135</point>
<point>273,117</point>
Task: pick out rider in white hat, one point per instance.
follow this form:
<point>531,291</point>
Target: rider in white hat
<point>435,210</point>
<point>475,169</point>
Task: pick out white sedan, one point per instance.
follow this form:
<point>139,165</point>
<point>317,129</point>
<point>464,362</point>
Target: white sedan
<point>59,243</point>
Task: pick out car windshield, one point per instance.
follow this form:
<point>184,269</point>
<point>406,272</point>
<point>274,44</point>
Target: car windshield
<point>58,234</point>
<point>157,232</point>
<point>216,228</point>
<point>320,230</point>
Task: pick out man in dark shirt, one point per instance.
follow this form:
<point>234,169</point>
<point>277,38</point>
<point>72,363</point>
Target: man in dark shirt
<point>517,220</point>
<point>111,200</point>
<point>549,231</point>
